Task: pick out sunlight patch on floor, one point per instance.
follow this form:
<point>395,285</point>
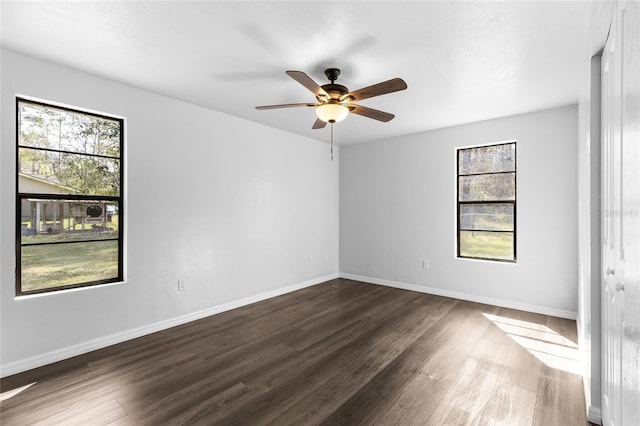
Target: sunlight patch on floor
<point>550,347</point>
<point>13,392</point>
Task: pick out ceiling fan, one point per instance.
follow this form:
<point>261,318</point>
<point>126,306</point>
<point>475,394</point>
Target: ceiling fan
<point>335,101</point>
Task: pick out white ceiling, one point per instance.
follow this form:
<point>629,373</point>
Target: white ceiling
<point>463,61</point>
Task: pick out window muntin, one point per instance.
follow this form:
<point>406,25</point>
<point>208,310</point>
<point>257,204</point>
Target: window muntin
<point>486,202</point>
<point>69,225</point>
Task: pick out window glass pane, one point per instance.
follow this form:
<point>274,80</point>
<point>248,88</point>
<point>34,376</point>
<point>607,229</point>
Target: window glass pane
<point>47,221</point>
<point>46,172</point>
<point>487,245</point>
<point>54,128</point>
<point>487,217</point>
<point>487,187</point>
<point>487,159</point>
<point>56,265</point>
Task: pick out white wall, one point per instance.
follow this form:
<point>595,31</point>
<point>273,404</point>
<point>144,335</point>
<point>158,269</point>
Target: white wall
<point>236,209</point>
<point>398,207</point>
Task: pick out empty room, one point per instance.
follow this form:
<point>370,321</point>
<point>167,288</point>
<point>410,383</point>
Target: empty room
<point>339,213</point>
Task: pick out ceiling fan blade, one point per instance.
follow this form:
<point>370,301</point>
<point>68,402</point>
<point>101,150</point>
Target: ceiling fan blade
<point>389,86</point>
<point>308,82</point>
<point>287,106</point>
<point>319,124</point>
<point>370,113</point>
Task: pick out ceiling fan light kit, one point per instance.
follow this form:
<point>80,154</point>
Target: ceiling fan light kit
<point>335,101</point>
<point>332,112</point>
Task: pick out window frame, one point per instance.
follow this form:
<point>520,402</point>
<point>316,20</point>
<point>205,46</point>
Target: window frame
<point>513,202</point>
<point>99,199</point>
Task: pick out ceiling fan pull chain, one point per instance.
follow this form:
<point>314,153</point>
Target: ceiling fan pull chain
<point>331,141</point>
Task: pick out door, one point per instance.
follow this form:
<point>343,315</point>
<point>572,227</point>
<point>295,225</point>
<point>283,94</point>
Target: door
<point>629,22</point>
<point>621,218</point>
<point>612,253</point>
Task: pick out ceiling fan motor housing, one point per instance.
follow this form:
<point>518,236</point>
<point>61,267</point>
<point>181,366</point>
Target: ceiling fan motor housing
<point>335,91</point>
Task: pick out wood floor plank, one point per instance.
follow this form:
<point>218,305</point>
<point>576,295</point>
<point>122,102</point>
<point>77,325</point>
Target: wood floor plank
<point>520,368</point>
<point>335,391</point>
<point>341,352</point>
<point>555,404</point>
<point>204,411</point>
<point>473,375</point>
<point>369,350</point>
<point>509,405</point>
<point>432,359</point>
<point>384,399</point>
<point>207,377</point>
<point>558,379</point>
<point>465,400</point>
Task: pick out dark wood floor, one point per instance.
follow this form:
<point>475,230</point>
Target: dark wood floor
<point>342,352</point>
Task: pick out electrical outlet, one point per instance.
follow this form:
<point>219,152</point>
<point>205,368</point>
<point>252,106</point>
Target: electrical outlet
<point>181,286</point>
<point>426,264</point>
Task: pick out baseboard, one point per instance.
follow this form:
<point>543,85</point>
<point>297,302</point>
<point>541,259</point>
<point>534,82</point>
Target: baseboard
<point>84,347</point>
<point>594,415</point>
<point>465,296</point>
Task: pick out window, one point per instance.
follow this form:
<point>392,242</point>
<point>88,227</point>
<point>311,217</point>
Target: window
<point>487,202</point>
<point>69,198</point>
